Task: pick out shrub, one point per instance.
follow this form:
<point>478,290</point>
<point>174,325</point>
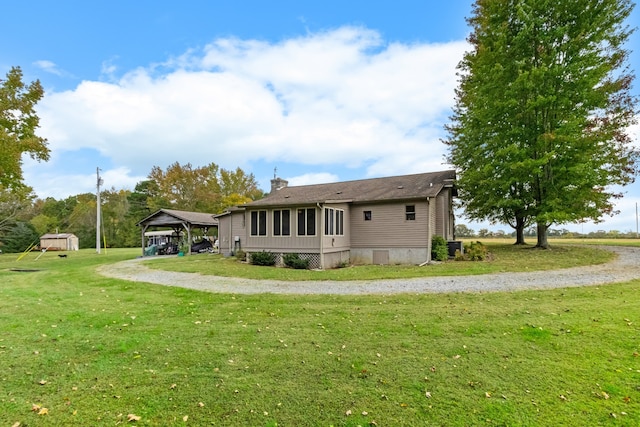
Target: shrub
<point>476,251</point>
<point>439,249</point>
<point>241,255</point>
<point>294,261</point>
<point>263,258</point>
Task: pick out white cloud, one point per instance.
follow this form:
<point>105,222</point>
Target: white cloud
<point>49,67</point>
<point>312,178</point>
<point>340,98</point>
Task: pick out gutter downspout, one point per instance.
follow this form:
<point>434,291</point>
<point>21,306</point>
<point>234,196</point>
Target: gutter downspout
<point>321,234</point>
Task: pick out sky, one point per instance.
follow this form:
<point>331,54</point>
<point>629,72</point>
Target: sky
<point>315,91</point>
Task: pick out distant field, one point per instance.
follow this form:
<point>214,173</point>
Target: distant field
<point>559,241</point>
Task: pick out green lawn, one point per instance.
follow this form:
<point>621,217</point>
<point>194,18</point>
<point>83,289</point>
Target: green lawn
<point>92,350</point>
<point>504,258</point>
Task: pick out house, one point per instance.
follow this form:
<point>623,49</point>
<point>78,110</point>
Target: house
<point>59,242</point>
<point>381,220</point>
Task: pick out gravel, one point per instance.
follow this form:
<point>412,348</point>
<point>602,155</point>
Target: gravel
<point>625,267</point>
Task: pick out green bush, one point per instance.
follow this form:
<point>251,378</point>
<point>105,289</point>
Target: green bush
<point>475,251</point>
<point>241,255</point>
<point>263,258</point>
<point>439,249</point>
<point>294,261</point>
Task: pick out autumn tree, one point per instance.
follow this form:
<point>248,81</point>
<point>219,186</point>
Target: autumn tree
<point>539,132</point>
<point>188,188</point>
<point>238,188</point>
<point>203,189</point>
<point>18,125</point>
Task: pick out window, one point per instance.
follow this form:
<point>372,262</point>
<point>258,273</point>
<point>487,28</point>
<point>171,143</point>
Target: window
<point>333,222</point>
<point>259,223</point>
<point>328,221</point>
<point>367,215</point>
<point>307,222</point>
<point>282,222</point>
<point>410,212</point>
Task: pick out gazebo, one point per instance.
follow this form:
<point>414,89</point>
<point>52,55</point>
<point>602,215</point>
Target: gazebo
<point>178,221</point>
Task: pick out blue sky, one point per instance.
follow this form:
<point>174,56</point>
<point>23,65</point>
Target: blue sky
<point>323,90</point>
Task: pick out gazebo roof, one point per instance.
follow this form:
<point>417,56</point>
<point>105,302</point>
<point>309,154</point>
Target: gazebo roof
<point>172,218</point>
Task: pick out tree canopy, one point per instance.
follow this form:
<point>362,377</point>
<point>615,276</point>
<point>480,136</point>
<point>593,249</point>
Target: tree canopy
<point>203,189</point>
<point>539,132</point>
<point>18,125</point>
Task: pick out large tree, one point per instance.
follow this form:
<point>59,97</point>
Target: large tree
<point>18,125</point>
<point>539,132</point>
<point>202,189</point>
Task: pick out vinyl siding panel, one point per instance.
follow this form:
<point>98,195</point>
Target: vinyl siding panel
<point>224,228</point>
<point>444,223</point>
<point>229,227</point>
<point>389,227</point>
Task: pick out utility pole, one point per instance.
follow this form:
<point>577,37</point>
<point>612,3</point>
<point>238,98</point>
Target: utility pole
<point>99,183</point>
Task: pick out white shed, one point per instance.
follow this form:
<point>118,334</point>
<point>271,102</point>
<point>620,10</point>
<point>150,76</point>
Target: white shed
<point>59,242</point>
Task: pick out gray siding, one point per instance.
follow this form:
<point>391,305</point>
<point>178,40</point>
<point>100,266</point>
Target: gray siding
<point>444,215</point>
<point>230,227</point>
<point>388,227</point>
<point>224,227</point>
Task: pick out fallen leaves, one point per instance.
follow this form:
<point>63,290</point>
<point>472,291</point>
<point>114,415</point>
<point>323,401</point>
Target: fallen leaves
<point>133,418</point>
<point>39,409</point>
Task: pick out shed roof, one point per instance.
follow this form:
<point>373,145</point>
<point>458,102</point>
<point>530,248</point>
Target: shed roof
<point>404,187</point>
<point>57,236</point>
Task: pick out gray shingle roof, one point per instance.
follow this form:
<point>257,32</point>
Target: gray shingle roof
<point>404,187</point>
<point>193,218</point>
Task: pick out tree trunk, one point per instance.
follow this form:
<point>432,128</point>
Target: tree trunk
<point>543,242</point>
<point>520,224</point>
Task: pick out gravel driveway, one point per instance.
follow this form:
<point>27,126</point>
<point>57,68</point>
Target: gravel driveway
<point>625,267</point>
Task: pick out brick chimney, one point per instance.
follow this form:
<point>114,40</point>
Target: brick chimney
<point>278,183</point>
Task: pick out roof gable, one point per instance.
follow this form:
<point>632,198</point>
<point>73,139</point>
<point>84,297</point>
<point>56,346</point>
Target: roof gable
<point>404,187</point>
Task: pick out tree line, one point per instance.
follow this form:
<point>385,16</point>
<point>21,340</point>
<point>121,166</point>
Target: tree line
<point>465,232</point>
<point>208,189</point>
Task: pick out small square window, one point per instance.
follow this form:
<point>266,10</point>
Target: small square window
<point>410,212</point>
<point>367,215</point>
